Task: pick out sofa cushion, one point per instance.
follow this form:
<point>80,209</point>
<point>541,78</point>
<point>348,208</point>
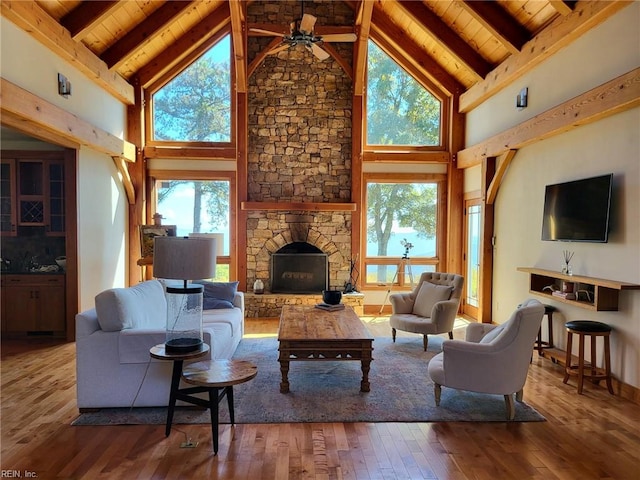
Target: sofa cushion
<point>218,295</point>
<point>140,306</point>
<point>428,295</point>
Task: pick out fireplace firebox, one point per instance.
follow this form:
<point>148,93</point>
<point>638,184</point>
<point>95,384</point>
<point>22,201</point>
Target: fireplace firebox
<point>299,268</point>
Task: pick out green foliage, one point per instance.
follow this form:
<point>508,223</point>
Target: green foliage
<point>196,105</point>
<point>215,194</point>
<point>400,111</point>
<point>403,205</point>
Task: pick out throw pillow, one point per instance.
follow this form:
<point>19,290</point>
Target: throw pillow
<point>218,294</point>
<point>428,295</point>
<point>140,306</point>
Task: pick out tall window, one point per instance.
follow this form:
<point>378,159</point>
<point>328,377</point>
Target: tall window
<point>401,230</point>
<point>196,105</point>
<point>400,111</point>
<point>200,207</point>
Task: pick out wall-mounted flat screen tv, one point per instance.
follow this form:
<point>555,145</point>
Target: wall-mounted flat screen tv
<point>578,211</point>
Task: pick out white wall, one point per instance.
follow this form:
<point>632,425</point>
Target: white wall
<point>102,204</point>
<point>611,145</point>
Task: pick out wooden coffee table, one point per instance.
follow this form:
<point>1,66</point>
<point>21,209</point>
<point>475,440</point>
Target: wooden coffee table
<point>311,334</point>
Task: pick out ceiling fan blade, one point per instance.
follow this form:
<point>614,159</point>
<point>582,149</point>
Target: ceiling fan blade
<point>307,23</point>
<point>266,32</point>
<point>278,49</point>
<point>319,52</point>
<point>339,37</point>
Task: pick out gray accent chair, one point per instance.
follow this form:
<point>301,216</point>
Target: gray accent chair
<point>493,359</point>
<point>430,309</point>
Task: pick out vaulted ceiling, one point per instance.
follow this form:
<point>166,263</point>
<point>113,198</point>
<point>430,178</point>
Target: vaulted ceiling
<point>457,43</point>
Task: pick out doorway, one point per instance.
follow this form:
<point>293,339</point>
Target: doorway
<point>471,295</point>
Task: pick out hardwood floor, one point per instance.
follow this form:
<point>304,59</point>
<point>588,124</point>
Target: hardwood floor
<point>592,436</point>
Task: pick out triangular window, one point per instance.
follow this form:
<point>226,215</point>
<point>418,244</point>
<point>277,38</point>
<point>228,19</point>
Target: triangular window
<point>400,111</point>
<point>196,105</point>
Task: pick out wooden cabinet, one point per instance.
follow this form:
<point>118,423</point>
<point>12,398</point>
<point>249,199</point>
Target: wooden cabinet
<point>8,197</point>
<point>32,193</point>
<point>592,293</point>
<point>33,304</point>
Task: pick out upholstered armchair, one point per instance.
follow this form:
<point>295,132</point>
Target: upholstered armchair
<point>429,309</point>
<point>493,359</point>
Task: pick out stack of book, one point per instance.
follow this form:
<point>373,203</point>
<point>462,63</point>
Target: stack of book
<point>330,308</point>
<point>565,295</point>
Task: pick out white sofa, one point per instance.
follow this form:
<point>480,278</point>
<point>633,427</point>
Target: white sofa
<point>113,365</point>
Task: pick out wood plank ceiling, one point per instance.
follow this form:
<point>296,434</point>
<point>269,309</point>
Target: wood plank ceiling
<point>455,43</point>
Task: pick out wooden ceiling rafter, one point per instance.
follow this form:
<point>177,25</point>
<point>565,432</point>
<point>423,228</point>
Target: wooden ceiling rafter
<point>183,47</point>
<point>86,16</point>
<point>499,23</point>
<point>363,28</point>
<point>563,30</point>
<point>447,37</point>
<point>562,7</point>
<point>239,42</point>
<point>143,33</point>
<point>31,18</point>
<point>406,52</point>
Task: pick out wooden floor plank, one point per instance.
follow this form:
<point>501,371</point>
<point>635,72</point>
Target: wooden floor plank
<point>590,436</point>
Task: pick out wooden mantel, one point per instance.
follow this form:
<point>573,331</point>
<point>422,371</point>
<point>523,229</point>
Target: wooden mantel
<point>305,206</point>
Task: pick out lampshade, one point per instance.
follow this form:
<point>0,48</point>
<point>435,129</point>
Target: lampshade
<point>184,258</point>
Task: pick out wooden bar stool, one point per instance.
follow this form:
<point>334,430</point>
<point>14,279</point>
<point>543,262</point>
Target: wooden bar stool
<point>593,330</point>
<point>540,344</point>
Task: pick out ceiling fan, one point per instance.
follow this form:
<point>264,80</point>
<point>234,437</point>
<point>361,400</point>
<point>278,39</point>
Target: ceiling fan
<point>301,33</point>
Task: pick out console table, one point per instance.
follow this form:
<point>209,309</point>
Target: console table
<point>604,293</point>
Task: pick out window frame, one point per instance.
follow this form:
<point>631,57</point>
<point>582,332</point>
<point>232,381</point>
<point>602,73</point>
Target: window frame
<point>438,261</point>
<point>155,176</point>
<point>428,85</point>
<point>173,73</point>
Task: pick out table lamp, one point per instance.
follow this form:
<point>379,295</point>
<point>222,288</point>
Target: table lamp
<point>184,258</point>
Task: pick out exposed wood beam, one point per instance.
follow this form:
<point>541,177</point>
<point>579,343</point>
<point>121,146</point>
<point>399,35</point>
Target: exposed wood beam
<point>238,38</point>
<point>18,102</point>
<point>143,33</point>
<point>264,53</point>
<point>393,39</point>
<point>499,23</point>
<point>447,37</point>
<point>487,222</point>
<point>503,161</point>
<point>86,16</point>
<point>31,18</point>
<point>563,8</point>
<point>126,179</point>
<point>346,66</point>
<point>185,45</point>
<point>615,96</point>
<point>196,153</point>
<point>406,157</point>
<point>559,34</point>
<point>26,126</point>
<point>363,27</point>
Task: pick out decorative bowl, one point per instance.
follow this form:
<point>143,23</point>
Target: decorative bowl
<point>331,297</point>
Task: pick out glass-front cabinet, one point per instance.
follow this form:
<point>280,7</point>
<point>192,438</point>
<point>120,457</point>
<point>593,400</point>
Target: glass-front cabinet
<point>32,195</point>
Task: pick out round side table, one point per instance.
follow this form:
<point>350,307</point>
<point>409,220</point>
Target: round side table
<point>217,377</point>
<point>160,353</point>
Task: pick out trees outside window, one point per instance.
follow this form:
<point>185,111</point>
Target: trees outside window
<point>198,206</point>
<point>400,111</point>
<point>196,105</point>
<point>402,223</point>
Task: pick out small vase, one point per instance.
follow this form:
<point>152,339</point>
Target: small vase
<point>258,287</point>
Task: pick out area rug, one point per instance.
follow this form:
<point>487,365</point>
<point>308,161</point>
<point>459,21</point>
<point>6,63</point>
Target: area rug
<point>329,391</point>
